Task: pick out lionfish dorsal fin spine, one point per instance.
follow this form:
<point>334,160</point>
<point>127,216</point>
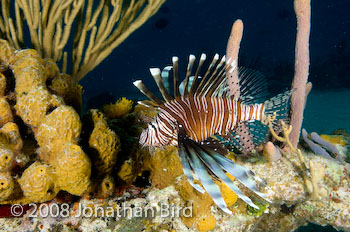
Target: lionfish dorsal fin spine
<point>165,77</point>
<point>204,79</point>
<point>191,60</point>
<point>194,83</point>
<point>253,86</point>
<point>159,81</point>
<point>175,61</point>
<point>214,76</point>
<point>143,89</point>
<point>216,80</point>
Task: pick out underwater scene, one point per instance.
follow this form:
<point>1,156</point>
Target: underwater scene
<point>174,115</point>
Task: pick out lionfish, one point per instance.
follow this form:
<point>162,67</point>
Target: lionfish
<point>201,118</point>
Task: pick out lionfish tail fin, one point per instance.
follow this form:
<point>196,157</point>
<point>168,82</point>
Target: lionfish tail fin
<point>206,163</point>
<point>278,105</point>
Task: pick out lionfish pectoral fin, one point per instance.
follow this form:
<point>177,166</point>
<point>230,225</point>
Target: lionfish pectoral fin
<point>201,171</point>
<point>242,174</point>
<point>189,154</point>
<point>187,169</point>
<point>217,171</point>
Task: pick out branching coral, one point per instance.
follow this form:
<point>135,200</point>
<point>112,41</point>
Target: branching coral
<point>286,129</point>
<point>99,28</point>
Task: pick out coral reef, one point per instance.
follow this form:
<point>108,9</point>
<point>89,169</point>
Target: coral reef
<point>292,205</point>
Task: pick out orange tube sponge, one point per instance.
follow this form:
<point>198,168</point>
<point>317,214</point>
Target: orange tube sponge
<point>38,182</point>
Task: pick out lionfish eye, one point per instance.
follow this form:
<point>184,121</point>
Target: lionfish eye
<point>154,127</point>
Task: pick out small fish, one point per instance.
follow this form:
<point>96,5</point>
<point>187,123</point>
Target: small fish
<point>201,118</point>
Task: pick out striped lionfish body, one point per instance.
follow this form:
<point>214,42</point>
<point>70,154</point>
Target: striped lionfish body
<point>201,118</point>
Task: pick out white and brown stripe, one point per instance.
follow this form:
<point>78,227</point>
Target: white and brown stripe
<point>200,116</point>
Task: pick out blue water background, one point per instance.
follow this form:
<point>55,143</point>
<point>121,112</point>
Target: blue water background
<point>183,27</point>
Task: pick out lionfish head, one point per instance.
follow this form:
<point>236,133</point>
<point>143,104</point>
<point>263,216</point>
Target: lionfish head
<point>151,136</point>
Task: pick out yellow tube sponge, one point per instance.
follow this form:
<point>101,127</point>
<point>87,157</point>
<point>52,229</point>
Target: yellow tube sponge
<point>2,84</point>
<point>62,124</point>
<point>29,78</point>
<point>205,222</point>
<point>229,196</point>
<point>6,52</point>
<point>118,109</point>
<point>7,186</point>
<point>107,187</point>
<point>33,106</point>
<point>12,131</point>
<point>56,127</point>
<point>73,169</point>
<point>164,165</point>
<point>7,159</point>
<point>64,86</point>
<point>105,142</point>
<point>334,139</point>
<point>38,182</point>
<point>126,172</point>
<point>5,112</point>
<point>201,217</point>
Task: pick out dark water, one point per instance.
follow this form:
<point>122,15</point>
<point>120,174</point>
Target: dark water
<point>183,27</point>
